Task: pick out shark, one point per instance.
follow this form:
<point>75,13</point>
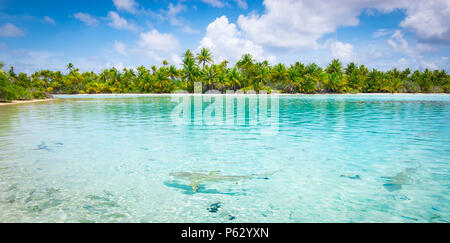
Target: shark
<point>42,146</point>
<point>402,178</point>
<point>197,178</point>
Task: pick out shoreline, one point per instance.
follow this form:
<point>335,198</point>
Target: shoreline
<point>178,94</point>
<point>16,102</point>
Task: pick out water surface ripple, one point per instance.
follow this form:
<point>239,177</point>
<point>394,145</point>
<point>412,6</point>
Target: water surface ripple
<point>341,158</point>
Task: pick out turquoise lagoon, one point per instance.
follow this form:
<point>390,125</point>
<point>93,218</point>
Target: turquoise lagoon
<point>339,158</point>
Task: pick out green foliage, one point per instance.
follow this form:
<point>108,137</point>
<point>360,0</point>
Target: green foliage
<point>10,91</point>
<point>309,85</point>
<point>334,67</point>
<point>7,92</point>
<point>446,88</point>
<point>204,57</point>
<point>411,87</point>
<point>247,74</point>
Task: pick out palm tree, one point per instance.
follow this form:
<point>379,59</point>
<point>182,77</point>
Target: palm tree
<point>334,67</point>
<point>395,73</point>
<point>354,80</point>
<point>114,78</point>
<point>279,75</point>
<point>11,72</point>
<point>309,84</point>
<point>245,64</point>
<point>313,78</point>
<point>405,73</point>
<point>336,83</point>
<point>313,69</point>
<point>222,80</point>
<point>293,79</point>
<point>204,57</point>
<point>245,74</point>
<point>363,70</point>
<point>210,76</point>
<point>234,78</point>
<point>188,56</point>
<point>425,82</point>
<point>261,76</point>
<point>351,68</point>
<point>70,67</point>
<point>224,64</point>
<point>190,72</point>
<point>128,80</point>
<point>354,77</point>
<point>162,82</point>
<point>396,85</point>
<point>146,83</point>
<point>173,72</point>
<point>373,81</point>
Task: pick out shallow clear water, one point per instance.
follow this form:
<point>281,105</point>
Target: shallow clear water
<point>343,158</point>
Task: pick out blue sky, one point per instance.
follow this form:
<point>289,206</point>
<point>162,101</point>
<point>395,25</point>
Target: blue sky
<point>94,35</point>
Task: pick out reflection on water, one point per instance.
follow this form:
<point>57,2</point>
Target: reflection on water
<point>341,159</point>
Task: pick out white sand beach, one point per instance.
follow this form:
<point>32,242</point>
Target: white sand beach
<point>15,102</point>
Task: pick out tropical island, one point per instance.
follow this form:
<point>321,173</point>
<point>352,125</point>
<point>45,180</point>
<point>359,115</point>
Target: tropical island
<point>247,74</point>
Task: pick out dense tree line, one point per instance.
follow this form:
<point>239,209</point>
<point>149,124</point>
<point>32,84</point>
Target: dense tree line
<point>19,87</point>
<point>247,74</point>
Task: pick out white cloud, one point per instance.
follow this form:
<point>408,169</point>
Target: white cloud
<point>297,23</point>
<point>215,3</point>
<point>126,5</point>
<point>242,3</point>
<point>49,20</point>
<point>342,51</point>
<point>430,20</point>
<point>120,23</point>
<point>29,61</point>
<point>301,23</point>
<point>401,45</point>
<point>190,30</point>
<point>226,42</point>
<point>173,11</point>
<point>418,63</point>
<point>120,47</point>
<point>430,65</point>
<point>172,15</point>
<point>151,45</point>
<point>86,18</point>
<point>10,30</point>
<point>155,41</point>
<point>176,59</point>
<point>380,33</point>
<point>222,3</point>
